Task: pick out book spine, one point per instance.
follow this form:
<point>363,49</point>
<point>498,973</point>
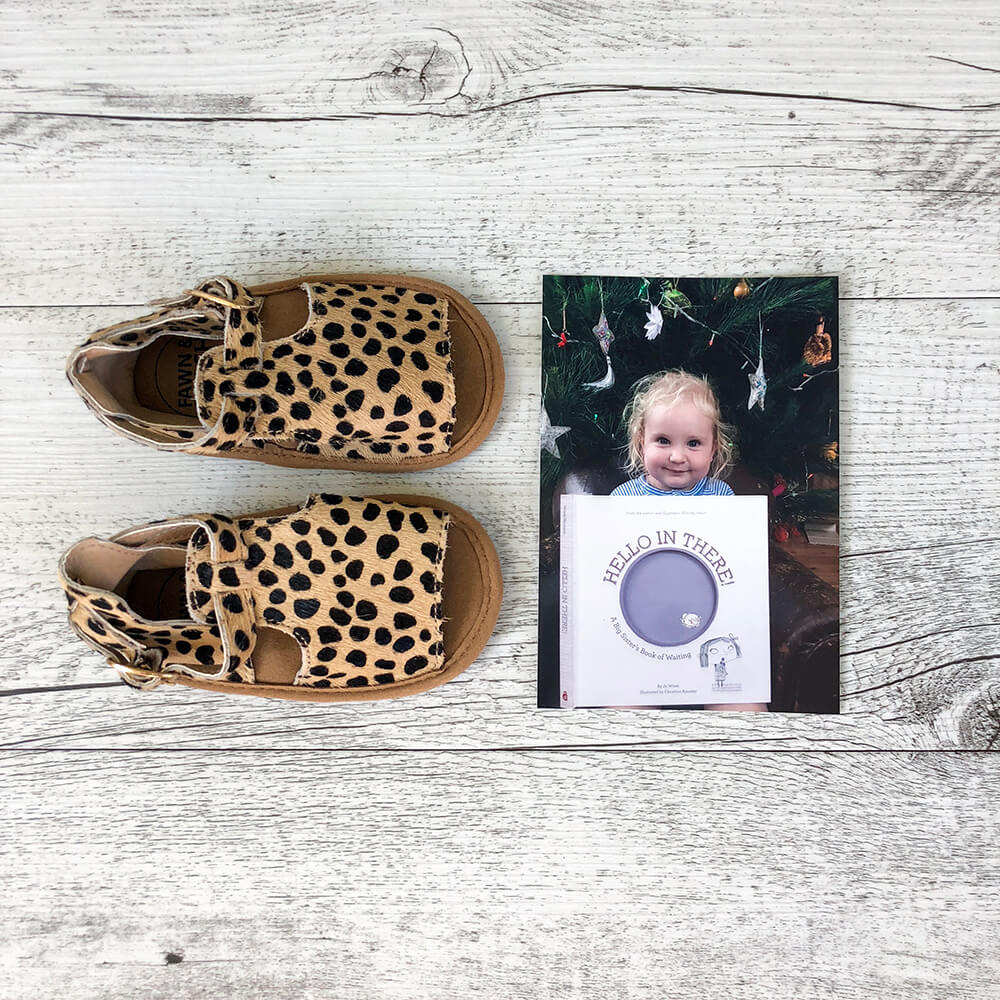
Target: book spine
<point>566,602</point>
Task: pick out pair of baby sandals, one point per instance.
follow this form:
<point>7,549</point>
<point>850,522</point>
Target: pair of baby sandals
<point>339,599</point>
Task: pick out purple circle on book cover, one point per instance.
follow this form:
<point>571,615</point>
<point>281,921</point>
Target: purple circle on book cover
<point>668,597</point>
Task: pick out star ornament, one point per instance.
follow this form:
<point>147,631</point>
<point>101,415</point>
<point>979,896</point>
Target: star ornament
<point>758,386</point>
<point>549,435</point>
<point>654,323</point>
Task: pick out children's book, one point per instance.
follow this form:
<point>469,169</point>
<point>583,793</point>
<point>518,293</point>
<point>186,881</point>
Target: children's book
<point>664,601</point>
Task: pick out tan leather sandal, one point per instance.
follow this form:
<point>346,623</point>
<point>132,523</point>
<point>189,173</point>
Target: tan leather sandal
<point>366,371</point>
<point>341,599</point>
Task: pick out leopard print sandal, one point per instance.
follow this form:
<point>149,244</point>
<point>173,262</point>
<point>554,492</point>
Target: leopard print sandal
<point>373,372</point>
<point>341,599</point>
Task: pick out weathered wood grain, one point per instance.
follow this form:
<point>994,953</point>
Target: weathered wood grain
<point>250,59</point>
<point>491,148</point>
<point>491,707</point>
<point>921,639</point>
<point>891,199</point>
<point>522,875</point>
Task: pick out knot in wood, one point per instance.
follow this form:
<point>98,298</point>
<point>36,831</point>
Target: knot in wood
<point>425,69</point>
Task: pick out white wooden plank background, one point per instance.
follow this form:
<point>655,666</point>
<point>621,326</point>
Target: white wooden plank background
<point>500,875</point>
<point>144,145</point>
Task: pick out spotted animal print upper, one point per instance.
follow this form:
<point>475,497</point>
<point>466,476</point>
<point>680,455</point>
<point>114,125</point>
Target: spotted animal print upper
<point>369,376</point>
<point>356,582</point>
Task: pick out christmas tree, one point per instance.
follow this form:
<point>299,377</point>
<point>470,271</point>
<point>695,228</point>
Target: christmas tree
<point>768,346</point>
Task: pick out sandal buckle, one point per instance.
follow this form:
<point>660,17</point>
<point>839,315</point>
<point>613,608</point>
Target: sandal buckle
<point>219,300</point>
<point>141,670</point>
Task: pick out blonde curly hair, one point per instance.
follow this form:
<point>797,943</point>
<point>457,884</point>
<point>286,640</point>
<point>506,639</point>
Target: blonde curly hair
<point>668,388</point>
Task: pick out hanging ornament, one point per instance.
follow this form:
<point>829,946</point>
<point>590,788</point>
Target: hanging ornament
<point>603,383</point>
<point>654,318</point>
<point>758,383</point>
<point>742,289</point>
<point>602,331</point>
<point>780,486</point>
<point>780,533</point>
<point>674,300</point>
<point>830,453</point>
<point>603,334</point>
<point>654,323</point>
<point>818,348</point>
<point>563,338</point>
<point>564,333</point>
<point>758,386</point>
<point>549,434</point>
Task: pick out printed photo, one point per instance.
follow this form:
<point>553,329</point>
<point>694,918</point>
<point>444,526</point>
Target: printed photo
<point>689,500</point>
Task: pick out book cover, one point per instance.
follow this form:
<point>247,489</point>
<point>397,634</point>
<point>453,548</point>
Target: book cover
<point>664,601</point>
<point>664,391</point>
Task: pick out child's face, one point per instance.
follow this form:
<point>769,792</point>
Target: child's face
<point>677,446</point>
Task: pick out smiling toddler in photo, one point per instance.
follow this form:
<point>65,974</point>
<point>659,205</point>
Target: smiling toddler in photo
<point>679,444</point>
<point>676,438</point>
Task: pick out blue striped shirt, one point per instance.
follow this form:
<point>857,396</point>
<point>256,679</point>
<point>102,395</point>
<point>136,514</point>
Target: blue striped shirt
<point>706,487</point>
